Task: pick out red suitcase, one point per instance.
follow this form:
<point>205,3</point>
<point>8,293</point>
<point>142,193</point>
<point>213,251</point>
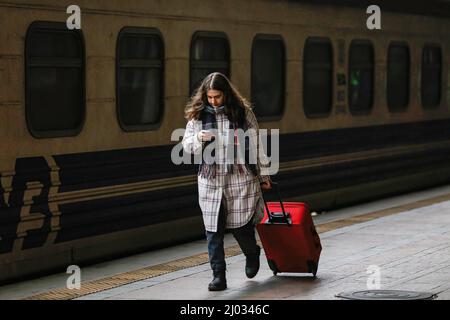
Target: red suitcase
<point>289,237</point>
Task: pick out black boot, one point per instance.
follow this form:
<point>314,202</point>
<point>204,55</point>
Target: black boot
<point>219,282</point>
<point>252,264</point>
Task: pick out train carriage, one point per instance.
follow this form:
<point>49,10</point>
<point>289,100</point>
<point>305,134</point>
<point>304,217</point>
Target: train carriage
<point>86,115</point>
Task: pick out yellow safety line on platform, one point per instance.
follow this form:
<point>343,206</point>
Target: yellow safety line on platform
<point>121,279</point>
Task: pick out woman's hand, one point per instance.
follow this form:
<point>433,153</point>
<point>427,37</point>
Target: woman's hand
<point>267,185</point>
<point>205,135</point>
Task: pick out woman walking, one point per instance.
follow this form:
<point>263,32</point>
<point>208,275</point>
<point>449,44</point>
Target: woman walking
<point>229,193</point>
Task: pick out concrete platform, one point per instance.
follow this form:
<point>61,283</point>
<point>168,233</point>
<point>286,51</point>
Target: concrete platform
<point>407,241</point>
<point>411,251</point>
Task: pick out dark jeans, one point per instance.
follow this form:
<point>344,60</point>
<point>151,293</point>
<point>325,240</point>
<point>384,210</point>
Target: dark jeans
<point>245,236</point>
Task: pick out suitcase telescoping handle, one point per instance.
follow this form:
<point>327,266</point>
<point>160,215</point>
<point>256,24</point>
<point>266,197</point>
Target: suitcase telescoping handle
<point>275,217</point>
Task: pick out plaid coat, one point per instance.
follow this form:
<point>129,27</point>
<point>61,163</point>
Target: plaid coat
<point>239,192</point>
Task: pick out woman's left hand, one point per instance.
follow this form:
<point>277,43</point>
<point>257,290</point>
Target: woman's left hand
<point>267,185</point>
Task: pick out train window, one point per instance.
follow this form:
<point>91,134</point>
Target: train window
<point>140,98</point>
<point>361,76</point>
<point>317,77</point>
<point>431,76</point>
<point>398,77</point>
<point>54,81</point>
<point>268,76</point>
<point>210,52</point>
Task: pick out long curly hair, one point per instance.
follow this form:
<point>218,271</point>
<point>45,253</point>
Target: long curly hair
<point>235,104</point>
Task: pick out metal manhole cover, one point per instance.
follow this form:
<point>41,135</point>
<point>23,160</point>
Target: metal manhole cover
<point>386,295</point>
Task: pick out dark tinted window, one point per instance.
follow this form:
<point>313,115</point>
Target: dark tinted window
<point>210,52</point>
<point>361,75</point>
<point>140,79</point>
<point>431,76</point>
<point>55,103</point>
<point>317,77</point>
<point>398,77</point>
<point>268,74</point>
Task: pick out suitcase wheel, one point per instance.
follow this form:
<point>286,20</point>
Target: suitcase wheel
<point>312,267</point>
<point>273,267</point>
